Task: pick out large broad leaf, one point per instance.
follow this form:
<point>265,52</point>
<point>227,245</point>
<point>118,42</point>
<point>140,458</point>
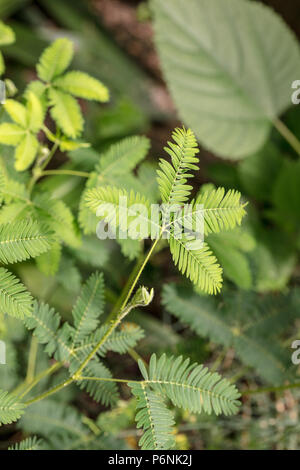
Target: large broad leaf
<point>229,65</point>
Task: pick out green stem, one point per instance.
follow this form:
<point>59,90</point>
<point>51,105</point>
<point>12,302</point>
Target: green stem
<point>36,176</point>
<point>119,303</point>
<point>50,392</point>
<point>98,345</point>
<point>32,359</point>
<point>51,154</point>
<point>114,323</point>
<point>219,359</point>
<point>91,424</point>
<point>138,275</point>
<point>288,135</point>
<point>119,318</point>
<point>272,389</point>
<point>41,376</point>
<point>82,174</point>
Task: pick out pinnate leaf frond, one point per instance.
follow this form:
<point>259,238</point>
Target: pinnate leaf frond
<point>88,307</point>
<point>30,443</point>
<point>221,210</point>
<point>23,240</point>
<point>172,178</point>
<point>198,264</point>
<point>154,418</point>
<point>15,300</point>
<point>10,408</point>
<point>191,386</point>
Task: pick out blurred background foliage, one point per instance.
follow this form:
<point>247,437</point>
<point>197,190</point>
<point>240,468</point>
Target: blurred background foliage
<point>247,331</point>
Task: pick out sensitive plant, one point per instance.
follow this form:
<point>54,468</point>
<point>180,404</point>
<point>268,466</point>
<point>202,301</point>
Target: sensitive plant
<point>37,223</point>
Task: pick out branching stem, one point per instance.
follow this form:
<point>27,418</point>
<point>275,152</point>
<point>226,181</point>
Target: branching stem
<point>124,310</point>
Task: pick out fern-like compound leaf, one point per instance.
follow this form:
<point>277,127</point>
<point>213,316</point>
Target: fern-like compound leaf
<point>198,264</point>
<point>172,178</point>
<point>15,300</point>
<point>122,157</point>
<point>55,59</point>
<point>30,443</point>
<point>221,210</point>
<point>191,386</point>
<point>12,212</point>
<point>57,215</point>
<point>105,392</point>
<point>114,168</point>
<point>118,208</point>
<point>10,408</point>
<point>44,322</point>
<point>14,191</point>
<point>124,339</point>
<point>48,262</point>
<point>119,341</point>
<point>88,307</point>
<point>201,313</point>
<point>154,418</point>
<point>23,240</point>
<point>244,322</point>
<point>49,417</point>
